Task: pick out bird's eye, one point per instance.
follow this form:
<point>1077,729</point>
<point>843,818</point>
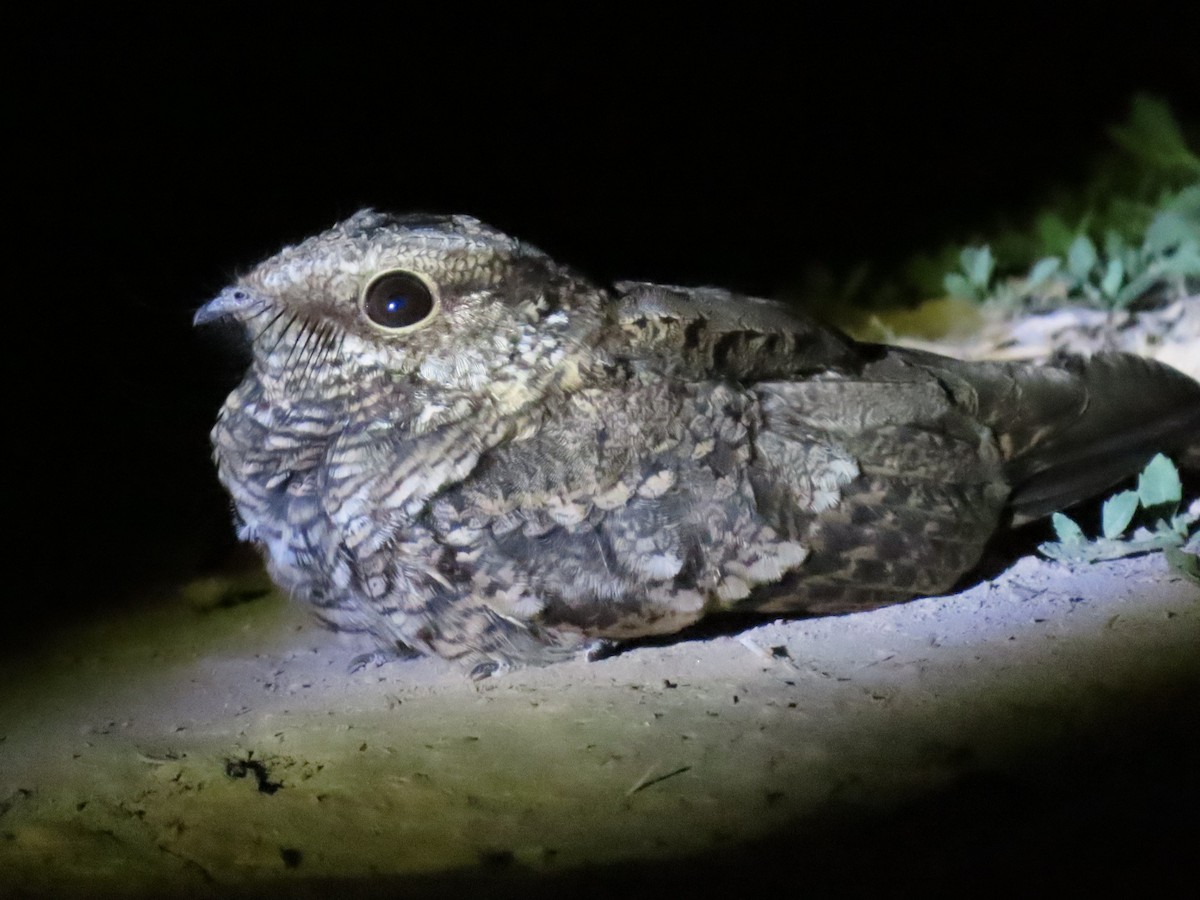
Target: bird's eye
<point>398,300</point>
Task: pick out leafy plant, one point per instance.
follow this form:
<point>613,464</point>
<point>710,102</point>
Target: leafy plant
<point>973,279</point>
<point>1133,231</point>
<point>1158,496</point>
<point>1153,135</point>
<point>1168,256</point>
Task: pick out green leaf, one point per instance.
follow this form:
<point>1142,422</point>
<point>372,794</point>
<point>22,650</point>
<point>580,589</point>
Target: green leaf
<point>1137,286</point>
<point>1081,257</point>
<point>957,286</point>
<point>1153,136</point>
<point>1184,261</point>
<point>1115,246</point>
<point>1114,274</point>
<point>1181,523</point>
<point>1055,235</point>
<point>1187,202</point>
<point>1043,270</point>
<point>1067,530</point>
<point>1187,563</point>
<point>1169,229</point>
<point>1118,512</point>
<point>1159,482</point>
<point>977,264</point>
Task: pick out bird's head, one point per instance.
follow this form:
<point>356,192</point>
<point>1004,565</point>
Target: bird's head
<point>437,303</point>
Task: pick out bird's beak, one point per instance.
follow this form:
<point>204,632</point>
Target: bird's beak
<point>229,302</point>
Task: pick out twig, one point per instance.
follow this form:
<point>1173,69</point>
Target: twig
<point>645,781</point>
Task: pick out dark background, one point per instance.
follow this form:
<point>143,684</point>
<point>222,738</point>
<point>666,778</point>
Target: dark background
<point>150,168</point>
<point>156,159</point>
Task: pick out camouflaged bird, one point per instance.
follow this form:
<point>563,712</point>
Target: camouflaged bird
<point>452,442</point>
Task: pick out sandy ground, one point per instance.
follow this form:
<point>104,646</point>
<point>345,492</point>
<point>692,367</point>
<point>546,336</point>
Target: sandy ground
<point>1039,728</point>
<point>212,744</point>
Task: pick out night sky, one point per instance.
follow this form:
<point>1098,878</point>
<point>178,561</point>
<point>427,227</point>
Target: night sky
<point>151,171</point>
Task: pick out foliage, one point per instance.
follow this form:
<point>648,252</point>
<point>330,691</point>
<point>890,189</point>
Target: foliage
<point>1167,258</point>
<point>1136,231</point>
<point>974,279</point>
<point>1158,496</point>
<point>1153,136</point>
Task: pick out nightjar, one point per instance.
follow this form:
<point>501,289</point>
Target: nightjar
<point>452,442</point>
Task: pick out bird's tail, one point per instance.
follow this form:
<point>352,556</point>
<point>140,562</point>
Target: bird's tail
<point>1073,427</point>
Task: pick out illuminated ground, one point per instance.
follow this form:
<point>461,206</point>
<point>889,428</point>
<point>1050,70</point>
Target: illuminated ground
<point>1039,729</point>
<point>205,746</point>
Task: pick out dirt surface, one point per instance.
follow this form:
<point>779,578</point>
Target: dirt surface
<point>1041,727</point>
<point>201,746</point>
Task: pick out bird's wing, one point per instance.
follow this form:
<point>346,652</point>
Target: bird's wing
<point>1072,427</point>
<point>699,333</point>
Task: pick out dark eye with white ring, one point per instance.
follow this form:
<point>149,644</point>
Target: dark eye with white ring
<point>398,300</point>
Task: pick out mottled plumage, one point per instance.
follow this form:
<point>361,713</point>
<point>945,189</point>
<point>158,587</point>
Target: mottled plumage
<point>450,441</point>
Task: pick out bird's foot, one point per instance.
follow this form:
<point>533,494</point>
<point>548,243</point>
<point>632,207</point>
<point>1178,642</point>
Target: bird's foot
<point>485,670</point>
<point>382,656</point>
<point>603,649</point>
